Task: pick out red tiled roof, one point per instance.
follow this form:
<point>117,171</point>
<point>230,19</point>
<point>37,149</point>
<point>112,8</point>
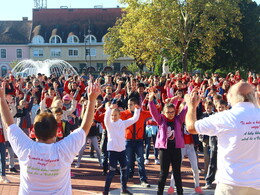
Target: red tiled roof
<point>74,21</point>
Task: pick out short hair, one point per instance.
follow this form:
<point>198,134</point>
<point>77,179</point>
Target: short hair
<point>222,102</point>
<point>209,103</point>
<point>116,110</point>
<point>57,110</point>
<point>134,100</point>
<point>21,102</point>
<point>168,105</point>
<point>45,126</point>
<point>140,85</point>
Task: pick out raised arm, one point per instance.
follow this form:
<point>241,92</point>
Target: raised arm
<point>135,117</point>
<point>4,110</point>
<point>154,112</point>
<point>93,92</point>
<point>107,115</point>
<point>192,101</point>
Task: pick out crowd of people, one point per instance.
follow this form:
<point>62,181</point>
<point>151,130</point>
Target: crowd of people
<point>128,113</point>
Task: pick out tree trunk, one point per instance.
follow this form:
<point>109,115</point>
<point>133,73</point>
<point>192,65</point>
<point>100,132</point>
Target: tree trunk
<point>185,61</point>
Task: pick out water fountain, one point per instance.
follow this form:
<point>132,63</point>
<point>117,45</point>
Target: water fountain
<point>56,66</point>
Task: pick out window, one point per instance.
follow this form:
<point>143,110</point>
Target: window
<point>3,53</point>
<point>4,71</point>
<point>73,39</point>
<point>104,39</point>
<point>55,52</point>
<point>38,52</point>
<point>38,40</point>
<point>99,66</point>
<point>116,66</point>
<point>55,39</point>
<point>90,39</point>
<point>91,52</point>
<point>73,52</point>
<point>19,53</point>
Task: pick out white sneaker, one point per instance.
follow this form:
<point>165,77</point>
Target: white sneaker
<point>77,165</point>
<point>146,162</point>
<point>157,161</point>
<point>4,179</point>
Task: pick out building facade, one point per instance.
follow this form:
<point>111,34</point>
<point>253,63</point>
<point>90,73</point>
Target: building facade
<point>76,36</point>
<point>14,39</point>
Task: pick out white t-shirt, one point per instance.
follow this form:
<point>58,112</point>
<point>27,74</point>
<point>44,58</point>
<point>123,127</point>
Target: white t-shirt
<point>116,130</point>
<point>45,168</point>
<point>238,132</point>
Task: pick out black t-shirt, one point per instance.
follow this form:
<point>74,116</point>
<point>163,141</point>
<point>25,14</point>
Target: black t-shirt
<point>170,131</point>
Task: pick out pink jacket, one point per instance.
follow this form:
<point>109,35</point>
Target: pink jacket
<point>161,139</point>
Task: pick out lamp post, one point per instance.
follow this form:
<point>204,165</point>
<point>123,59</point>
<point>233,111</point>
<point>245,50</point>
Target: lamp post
<point>85,52</point>
<point>89,53</point>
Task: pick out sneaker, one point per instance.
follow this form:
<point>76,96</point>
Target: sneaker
<point>13,170</point>
<point>4,179</point>
<point>146,162</point>
<point>125,192</point>
<point>208,186</point>
<point>145,184</point>
<point>157,161</point>
<point>170,190</point>
<point>198,190</point>
<point>77,165</point>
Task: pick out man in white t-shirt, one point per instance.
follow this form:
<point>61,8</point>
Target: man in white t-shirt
<point>238,132</point>
<point>45,164</point>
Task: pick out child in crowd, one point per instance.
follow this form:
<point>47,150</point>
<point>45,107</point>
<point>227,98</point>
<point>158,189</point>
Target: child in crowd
<point>116,146</point>
<point>189,151</point>
<point>209,107</point>
<point>213,142</point>
<point>169,141</point>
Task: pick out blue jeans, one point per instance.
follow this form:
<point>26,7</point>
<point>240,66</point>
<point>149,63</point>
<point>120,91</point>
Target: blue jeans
<point>135,148</point>
<point>148,146</point>
<point>115,157</point>
<point>3,157</point>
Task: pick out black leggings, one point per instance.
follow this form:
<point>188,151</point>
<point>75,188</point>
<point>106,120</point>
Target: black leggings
<point>170,155</point>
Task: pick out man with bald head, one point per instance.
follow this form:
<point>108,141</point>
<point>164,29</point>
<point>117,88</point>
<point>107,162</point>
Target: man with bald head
<point>238,132</point>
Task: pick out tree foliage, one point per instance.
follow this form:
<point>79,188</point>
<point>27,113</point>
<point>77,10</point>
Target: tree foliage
<point>242,54</point>
<point>188,30</point>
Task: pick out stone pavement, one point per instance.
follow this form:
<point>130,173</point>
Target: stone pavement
<point>88,179</point>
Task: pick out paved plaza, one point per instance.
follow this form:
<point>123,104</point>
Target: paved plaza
<point>88,179</point>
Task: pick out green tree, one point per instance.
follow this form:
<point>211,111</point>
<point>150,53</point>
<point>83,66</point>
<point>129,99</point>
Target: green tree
<point>130,37</point>
<point>183,25</point>
<point>187,30</point>
<point>242,54</point>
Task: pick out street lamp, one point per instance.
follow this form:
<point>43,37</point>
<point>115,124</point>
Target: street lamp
<point>89,31</point>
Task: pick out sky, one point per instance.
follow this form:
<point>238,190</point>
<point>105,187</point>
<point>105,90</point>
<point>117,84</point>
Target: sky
<point>15,10</point>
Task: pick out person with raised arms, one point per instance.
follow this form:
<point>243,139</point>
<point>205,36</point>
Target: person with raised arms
<point>45,164</point>
<point>237,130</point>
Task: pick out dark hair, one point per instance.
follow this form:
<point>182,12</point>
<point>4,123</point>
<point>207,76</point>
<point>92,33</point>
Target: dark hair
<point>134,100</point>
<point>57,110</point>
<point>209,103</point>
<point>45,126</point>
<point>140,85</point>
<point>100,98</point>
<point>222,102</point>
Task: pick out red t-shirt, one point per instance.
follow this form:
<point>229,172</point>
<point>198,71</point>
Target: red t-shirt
<point>2,137</point>
<point>59,130</point>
